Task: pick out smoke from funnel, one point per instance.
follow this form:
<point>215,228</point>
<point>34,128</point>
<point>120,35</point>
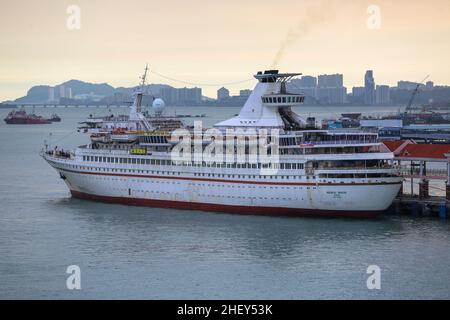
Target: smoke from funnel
<point>314,16</point>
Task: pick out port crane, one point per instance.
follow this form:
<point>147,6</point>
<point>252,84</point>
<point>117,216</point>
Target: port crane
<point>415,92</point>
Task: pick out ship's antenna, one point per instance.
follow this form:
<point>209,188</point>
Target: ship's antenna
<point>143,78</point>
<point>140,91</point>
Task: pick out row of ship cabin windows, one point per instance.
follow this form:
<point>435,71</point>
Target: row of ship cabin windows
<point>159,162</point>
<point>168,173</point>
<point>291,99</point>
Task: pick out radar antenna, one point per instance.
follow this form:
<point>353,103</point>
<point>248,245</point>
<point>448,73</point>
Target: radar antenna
<point>144,76</point>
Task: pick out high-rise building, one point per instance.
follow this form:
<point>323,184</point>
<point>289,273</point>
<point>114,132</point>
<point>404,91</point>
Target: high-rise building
<point>306,85</point>
<point>223,93</point>
<point>245,93</point>
<point>332,95</point>
<point>358,91</point>
<point>383,95</point>
<point>62,91</point>
<point>331,81</point>
<point>189,96</point>
<point>51,94</point>
<point>369,85</point>
<point>331,89</point>
<point>308,82</point>
<point>406,85</point>
<point>181,96</point>
<point>169,95</point>
<point>69,93</point>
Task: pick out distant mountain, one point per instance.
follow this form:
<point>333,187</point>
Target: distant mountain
<point>40,93</point>
<point>37,94</point>
<point>81,87</point>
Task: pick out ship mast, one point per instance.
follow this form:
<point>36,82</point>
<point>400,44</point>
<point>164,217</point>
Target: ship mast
<point>135,112</point>
<point>140,92</point>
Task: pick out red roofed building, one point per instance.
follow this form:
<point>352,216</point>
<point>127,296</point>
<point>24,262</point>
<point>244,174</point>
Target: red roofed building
<point>395,146</point>
<point>418,156</point>
<point>425,151</point>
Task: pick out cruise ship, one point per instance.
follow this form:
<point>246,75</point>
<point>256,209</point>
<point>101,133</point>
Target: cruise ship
<point>267,160</point>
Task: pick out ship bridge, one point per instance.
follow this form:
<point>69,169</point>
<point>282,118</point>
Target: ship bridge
<point>269,104</point>
<point>282,100</point>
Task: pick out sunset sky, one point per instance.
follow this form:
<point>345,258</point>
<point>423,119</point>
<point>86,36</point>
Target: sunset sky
<point>217,42</point>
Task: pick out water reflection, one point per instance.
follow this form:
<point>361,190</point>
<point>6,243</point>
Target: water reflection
<point>144,230</point>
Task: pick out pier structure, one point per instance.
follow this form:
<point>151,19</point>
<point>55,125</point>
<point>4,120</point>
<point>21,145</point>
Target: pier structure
<point>421,164</point>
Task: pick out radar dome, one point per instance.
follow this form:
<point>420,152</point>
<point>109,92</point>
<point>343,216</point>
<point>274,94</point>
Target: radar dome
<point>158,103</point>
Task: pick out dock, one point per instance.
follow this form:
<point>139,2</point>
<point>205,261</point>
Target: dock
<point>416,207</point>
<point>413,161</point>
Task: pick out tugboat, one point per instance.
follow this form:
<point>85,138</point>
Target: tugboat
<point>21,117</point>
<point>54,118</point>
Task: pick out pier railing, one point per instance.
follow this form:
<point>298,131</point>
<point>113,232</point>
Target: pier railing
<point>432,173</point>
<point>340,142</point>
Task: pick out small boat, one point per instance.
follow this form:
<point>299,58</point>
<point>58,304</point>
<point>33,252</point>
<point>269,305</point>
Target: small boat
<point>54,118</point>
<point>21,117</point>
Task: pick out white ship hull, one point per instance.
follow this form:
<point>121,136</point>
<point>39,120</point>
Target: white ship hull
<point>313,171</point>
<point>293,197</point>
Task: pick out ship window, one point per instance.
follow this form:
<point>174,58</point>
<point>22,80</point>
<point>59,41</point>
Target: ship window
<point>284,99</point>
<point>279,100</point>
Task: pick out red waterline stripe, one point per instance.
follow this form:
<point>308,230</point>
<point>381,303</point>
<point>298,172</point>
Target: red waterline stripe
<point>244,210</point>
<point>230,181</point>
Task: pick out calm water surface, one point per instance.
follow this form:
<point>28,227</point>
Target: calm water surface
<point>135,252</point>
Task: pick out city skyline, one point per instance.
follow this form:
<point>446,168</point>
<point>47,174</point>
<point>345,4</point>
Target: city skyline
<point>324,89</point>
<point>311,81</point>
<point>228,44</point>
